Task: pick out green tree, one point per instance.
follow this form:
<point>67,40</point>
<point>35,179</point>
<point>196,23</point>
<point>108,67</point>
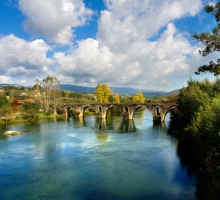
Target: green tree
<point>6,111</point>
<point>3,100</point>
<point>190,100</point>
<point>211,41</point>
<point>30,110</point>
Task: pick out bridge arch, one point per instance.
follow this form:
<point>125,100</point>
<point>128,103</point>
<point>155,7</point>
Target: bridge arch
<point>129,110</point>
<point>111,108</point>
<point>173,108</point>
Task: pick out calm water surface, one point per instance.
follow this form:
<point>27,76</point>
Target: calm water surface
<point>91,159</point>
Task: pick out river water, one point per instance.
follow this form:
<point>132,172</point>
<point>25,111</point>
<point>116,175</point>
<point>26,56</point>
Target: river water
<point>92,159</point>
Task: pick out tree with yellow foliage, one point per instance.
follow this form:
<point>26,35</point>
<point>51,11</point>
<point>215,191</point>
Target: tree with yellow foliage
<point>116,98</point>
<point>102,93</point>
<point>164,100</point>
<point>139,97</point>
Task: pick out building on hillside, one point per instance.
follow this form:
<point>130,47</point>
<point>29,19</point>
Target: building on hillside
<point>30,100</point>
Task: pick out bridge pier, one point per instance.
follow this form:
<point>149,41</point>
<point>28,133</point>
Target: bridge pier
<point>102,110</point>
<point>127,116</point>
<point>158,111</point>
<point>158,118</point>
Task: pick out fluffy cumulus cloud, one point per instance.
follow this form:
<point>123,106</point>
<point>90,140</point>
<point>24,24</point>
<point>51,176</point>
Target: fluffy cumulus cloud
<point>5,79</point>
<point>125,22</point>
<point>143,64</point>
<point>124,53</point>
<point>54,19</point>
<point>21,59</point>
<point>137,44</point>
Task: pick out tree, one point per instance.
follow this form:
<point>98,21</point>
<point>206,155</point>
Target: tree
<point>164,99</point>
<point>66,93</point>
<point>6,111</point>
<point>3,99</point>
<point>51,91</point>
<point>190,101</point>
<point>30,110</point>
<point>15,104</point>
<point>56,93</point>
<point>211,41</point>
<point>172,97</point>
<point>116,98</point>
<point>102,93</point>
<point>139,97</point>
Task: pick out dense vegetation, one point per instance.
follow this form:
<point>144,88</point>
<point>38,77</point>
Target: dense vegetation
<point>199,109</point>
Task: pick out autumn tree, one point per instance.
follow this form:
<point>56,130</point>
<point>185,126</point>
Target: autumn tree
<point>211,41</point>
<point>139,97</point>
<point>102,93</point>
<point>15,104</point>
<point>116,98</point>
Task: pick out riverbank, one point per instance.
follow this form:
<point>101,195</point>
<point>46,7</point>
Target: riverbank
<point>22,119</point>
<point>201,156</point>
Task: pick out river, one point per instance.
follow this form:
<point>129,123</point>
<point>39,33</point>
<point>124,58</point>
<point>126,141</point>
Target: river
<point>93,159</point>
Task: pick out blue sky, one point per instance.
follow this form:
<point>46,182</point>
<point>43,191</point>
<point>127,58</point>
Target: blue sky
<point>144,44</point>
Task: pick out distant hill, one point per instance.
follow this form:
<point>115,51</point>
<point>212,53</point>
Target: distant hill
<point>75,88</point>
<point>119,90</point>
<point>7,84</point>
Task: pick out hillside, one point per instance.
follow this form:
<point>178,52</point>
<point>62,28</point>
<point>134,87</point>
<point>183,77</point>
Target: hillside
<point>119,90</point>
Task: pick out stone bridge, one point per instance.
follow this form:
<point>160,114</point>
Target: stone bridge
<point>158,110</point>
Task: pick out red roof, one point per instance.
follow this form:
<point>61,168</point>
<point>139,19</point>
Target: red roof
<point>28,100</point>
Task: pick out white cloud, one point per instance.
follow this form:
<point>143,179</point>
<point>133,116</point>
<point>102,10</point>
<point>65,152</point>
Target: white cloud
<point>144,64</point>
<point>54,19</point>
<point>5,79</point>
<point>125,22</point>
<point>21,59</point>
<point>123,54</point>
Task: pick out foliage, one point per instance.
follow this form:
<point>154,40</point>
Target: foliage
<point>172,98</point>
<point>199,106</point>
<point>3,100</point>
<point>116,98</point>
<point>30,110</point>
<point>66,93</point>
<point>16,102</point>
<point>211,41</point>
<point>139,98</point>
<point>164,100</point>
<point>102,93</point>
<point>190,100</point>
<point>6,110</point>
<point>126,99</point>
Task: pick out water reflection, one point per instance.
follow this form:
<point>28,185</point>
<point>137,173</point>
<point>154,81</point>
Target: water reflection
<point>78,122</point>
<point>84,158</point>
<point>101,124</point>
<point>127,126</point>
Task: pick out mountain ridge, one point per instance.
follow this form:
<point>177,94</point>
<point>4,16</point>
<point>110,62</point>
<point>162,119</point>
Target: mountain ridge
<point>119,90</point>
